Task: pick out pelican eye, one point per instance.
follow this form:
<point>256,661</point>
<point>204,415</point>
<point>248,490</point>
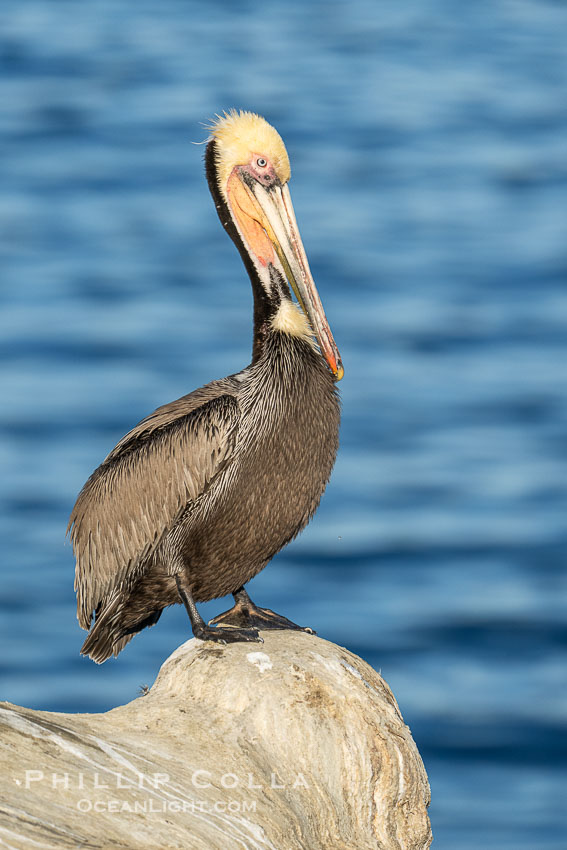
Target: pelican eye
<point>261,162</point>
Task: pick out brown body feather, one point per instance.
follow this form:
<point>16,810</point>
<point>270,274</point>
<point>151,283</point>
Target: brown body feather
<point>214,483</point>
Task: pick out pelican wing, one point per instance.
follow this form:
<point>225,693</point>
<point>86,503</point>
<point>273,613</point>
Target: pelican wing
<point>135,496</point>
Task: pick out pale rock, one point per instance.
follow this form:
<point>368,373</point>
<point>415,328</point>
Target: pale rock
<point>299,746</point>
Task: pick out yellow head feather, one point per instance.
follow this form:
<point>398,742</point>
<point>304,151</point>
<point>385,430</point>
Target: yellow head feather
<point>238,135</point>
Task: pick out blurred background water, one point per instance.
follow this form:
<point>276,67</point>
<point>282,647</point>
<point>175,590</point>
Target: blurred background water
<point>428,148</point>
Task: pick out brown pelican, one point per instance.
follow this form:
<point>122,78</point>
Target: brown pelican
<point>199,496</point>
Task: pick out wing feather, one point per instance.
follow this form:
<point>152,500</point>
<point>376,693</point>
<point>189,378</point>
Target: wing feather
<point>134,497</point>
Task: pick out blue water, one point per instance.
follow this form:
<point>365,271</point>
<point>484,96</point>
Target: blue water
<point>428,147</point>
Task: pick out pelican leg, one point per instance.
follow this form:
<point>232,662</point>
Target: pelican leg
<point>204,632</point>
<point>245,614</point>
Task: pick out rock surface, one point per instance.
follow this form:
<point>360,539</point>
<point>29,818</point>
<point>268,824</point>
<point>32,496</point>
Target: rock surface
<point>294,744</point>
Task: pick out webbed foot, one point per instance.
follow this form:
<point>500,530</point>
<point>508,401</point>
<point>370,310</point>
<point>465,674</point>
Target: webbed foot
<point>204,632</point>
<point>245,614</point>
<point>229,635</point>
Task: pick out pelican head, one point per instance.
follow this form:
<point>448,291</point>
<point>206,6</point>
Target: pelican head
<point>252,172</point>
